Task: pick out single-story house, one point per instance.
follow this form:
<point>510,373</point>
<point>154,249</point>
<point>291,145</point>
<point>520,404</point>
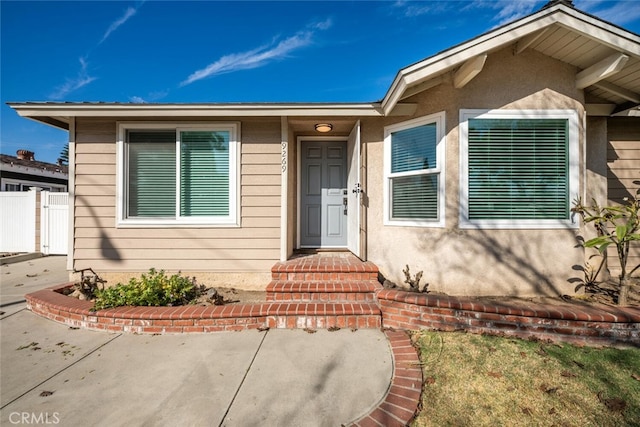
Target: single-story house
<point>466,170</point>
<point>23,172</point>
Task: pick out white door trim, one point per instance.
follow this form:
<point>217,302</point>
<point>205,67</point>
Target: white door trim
<point>354,190</point>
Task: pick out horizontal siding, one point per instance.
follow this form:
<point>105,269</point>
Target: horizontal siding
<point>109,180</point>
<point>94,233</point>
<point>260,201</point>
<point>94,169</point>
<point>184,265</point>
<point>261,190</point>
<point>258,182</point>
<point>95,190</point>
<point>205,254</point>
<point>253,247</point>
<point>623,175</point>
<point>179,243</point>
<point>247,222</point>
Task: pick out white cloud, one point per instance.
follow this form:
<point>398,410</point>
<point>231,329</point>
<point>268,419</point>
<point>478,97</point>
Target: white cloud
<point>118,22</point>
<point>322,25</point>
<point>82,79</point>
<point>260,56</point>
<point>151,97</point>
<point>618,12</point>
<point>507,10</point>
<point>412,9</point>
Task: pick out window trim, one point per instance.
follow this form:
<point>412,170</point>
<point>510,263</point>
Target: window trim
<point>574,167</point>
<point>439,170</point>
<point>232,220</point>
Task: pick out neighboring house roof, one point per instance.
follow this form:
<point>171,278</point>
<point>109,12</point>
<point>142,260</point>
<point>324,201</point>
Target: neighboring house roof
<point>33,167</point>
<point>607,56</point>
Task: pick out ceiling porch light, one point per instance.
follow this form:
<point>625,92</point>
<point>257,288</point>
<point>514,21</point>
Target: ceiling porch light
<point>324,127</point>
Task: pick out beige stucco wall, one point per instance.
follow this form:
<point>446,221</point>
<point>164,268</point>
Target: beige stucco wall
<point>237,256</point>
<point>487,261</point>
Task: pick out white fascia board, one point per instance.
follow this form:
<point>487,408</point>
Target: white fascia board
<point>194,110</point>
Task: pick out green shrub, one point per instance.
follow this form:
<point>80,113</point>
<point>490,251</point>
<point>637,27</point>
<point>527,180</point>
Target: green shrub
<point>152,289</point>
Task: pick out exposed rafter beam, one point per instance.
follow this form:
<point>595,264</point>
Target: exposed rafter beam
<point>469,70</point>
<point>422,87</point>
<point>528,41</point>
<point>601,70</point>
<point>619,91</point>
<point>628,108</point>
<point>403,109</point>
<point>599,109</point>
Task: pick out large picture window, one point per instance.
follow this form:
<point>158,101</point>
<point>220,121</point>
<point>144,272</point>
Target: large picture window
<point>518,168</point>
<point>179,174</point>
<point>414,162</point>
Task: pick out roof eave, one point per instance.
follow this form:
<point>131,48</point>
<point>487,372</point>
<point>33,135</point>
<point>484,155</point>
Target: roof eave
<point>558,14</point>
<point>57,114</point>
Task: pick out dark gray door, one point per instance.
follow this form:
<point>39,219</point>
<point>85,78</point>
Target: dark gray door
<point>323,183</point>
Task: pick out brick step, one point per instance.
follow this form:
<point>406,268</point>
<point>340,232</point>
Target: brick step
<point>318,290</point>
<point>325,268</point>
<point>354,315</point>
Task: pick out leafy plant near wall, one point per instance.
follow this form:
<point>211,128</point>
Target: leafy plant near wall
<point>152,289</point>
<point>617,225</point>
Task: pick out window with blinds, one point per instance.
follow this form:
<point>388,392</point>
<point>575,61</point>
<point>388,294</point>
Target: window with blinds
<point>152,174</point>
<point>413,172</point>
<point>519,168</point>
<point>179,175</point>
<point>204,173</point>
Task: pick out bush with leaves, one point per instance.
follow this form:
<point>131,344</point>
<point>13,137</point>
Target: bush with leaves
<point>615,225</point>
<point>152,289</point>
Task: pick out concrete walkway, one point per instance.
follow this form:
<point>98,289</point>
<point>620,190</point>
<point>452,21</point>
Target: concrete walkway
<point>73,377</point>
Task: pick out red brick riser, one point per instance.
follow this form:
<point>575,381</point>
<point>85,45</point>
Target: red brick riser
<point>587,325</point>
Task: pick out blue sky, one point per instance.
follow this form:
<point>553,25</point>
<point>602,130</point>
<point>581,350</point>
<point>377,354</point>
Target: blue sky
<point>241,51</point>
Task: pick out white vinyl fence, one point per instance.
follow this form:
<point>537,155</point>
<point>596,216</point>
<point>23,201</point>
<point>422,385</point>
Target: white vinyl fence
<point>18,221</point>
<point>29,226</point>
<point>54,223</point>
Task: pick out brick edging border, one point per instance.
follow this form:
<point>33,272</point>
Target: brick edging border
<point>52,304</point>
<point>401,402</point>
<point>584,325</point>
